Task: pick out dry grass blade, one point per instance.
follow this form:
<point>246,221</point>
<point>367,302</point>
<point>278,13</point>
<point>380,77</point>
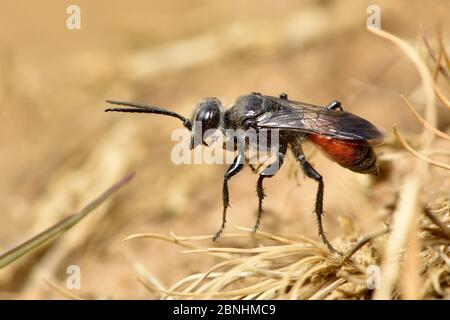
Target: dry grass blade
<point>362,243</point>
<point>403,218</point>
<point>146,278</point>
<point>265,235</point>
<point>321,294</point>
<point>445,229</point>
<point>59,228</point>
<point>64,292</point>
<point>295,271</point>
<point>439,68</point>
<point>442,47</point>
<point>441,96</point>
<point>424,122</point>
<point>405,223</point>
<point>183,242</point>
<point>393,156</point>
<point>417,154</point>
<point>427,80</point>
<point>265,271</point>
<point>440,53</point>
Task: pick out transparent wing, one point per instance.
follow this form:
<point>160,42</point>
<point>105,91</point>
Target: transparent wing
<point>298,116</point>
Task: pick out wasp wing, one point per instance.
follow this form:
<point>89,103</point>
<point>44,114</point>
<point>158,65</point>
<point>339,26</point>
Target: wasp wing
<point>299,116</point>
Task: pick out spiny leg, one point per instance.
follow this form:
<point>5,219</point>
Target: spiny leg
<point>237,165</point>
<point>254,169</point>
<point>313,174</point>
<point>335,105</point>
<point>268,172</point>
<point>254,164</point>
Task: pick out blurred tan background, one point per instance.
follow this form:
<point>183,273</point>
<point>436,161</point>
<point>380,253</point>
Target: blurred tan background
<point>59,149</point>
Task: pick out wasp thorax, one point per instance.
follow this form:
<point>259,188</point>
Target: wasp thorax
<point>206,118</point>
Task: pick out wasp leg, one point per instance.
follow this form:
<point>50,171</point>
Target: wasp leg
<point>228,146</point>
<point>335,105</point>
<point>254,164</point>
<point>313,174</point>
<point>237,165</point>
<point>268,172</point>
<point>283,96</point>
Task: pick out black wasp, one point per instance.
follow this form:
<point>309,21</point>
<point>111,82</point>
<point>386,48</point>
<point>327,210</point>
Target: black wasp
<point>344,137</point>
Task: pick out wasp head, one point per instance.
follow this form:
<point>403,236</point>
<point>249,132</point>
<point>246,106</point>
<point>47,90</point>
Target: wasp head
<point>206,118</point>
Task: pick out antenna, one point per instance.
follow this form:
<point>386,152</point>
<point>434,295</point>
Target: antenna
<point>140,108</point>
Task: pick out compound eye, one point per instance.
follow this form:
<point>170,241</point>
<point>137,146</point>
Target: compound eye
<point>204,115</point>
<point>209,115</point>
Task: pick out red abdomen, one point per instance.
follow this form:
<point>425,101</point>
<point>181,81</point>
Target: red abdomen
<point>358,157</point>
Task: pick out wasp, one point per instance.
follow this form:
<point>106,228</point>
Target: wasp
<point>344,137</point>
